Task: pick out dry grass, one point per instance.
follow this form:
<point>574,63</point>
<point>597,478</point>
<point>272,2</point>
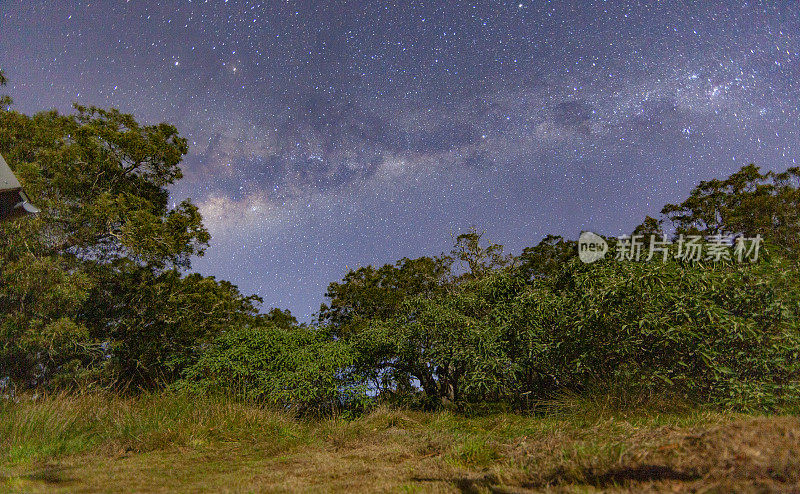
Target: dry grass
<point>164,443</point>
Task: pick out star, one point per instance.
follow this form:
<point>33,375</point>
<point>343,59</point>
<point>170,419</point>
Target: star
<point>357,133</point>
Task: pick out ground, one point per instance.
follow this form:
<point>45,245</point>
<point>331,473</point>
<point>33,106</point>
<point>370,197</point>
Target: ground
<point>133,447</point>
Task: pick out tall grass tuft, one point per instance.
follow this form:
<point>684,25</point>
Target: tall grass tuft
<point>45,426</point>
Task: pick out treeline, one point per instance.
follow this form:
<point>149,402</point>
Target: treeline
<point>95,293</point>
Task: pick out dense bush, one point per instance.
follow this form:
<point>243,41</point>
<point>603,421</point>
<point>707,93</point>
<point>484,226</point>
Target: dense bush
<point>723,333</point>
<point>707,332</point>
<point>299,369</point>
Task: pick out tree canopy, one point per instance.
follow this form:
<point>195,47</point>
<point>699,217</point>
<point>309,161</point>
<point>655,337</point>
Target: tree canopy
<point>749,202</point>
<point>91,289</point>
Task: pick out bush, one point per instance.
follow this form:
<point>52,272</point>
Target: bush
<point>721,333</point>
<point>711,333</point>
<point>708,332</point>
<point>299,369</point>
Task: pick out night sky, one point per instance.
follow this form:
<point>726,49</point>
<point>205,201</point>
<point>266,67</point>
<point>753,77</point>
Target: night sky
<point>329,135</point>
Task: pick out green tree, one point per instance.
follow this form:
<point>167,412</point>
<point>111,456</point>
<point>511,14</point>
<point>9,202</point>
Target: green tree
<point>91,287</point>
<point>649,227</point>
<point>477,260</point>
<point>450,344</point>
<point>368,293</point>
<point>156,323</point>
<point>547,258</point>
<point>278,317</point>
<point>749,203</point>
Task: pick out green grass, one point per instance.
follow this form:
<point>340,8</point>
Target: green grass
<point>176,443</point>
<point>67,424</point>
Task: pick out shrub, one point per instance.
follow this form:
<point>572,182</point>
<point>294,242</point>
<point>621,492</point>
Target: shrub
<point>299,369</point>
<point>708,332</point>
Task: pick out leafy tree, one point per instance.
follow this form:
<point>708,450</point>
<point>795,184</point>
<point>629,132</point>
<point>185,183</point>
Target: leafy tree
<point>649,227</point>
<point>90,288</point>
<point>368,293</point>
<point>156,323</point>
<point>100,179</point>
<point>547,258</point>
<point>749,203</point>
<point>449,344</point>
<point>476,260</point>
<point>94,290</point>
<point>277,317</point>
<point>40,337</point>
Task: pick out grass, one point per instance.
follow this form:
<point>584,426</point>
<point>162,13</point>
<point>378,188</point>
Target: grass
<point>174,443</point>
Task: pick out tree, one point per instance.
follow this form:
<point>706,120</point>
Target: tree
<point>156,323</point>
<point>402,320</point>
<point>278,318</point>
<point>649,227</point>
<point>449,344</point>
<point>91,288</point>
<point>748,203</point>
<point>547,257</point>
<point>368,293</point>
<point>476,260</point>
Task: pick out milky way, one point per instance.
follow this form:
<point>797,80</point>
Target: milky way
<point>329,135</point>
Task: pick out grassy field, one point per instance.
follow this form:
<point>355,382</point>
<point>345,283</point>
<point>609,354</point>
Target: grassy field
<point>163,443</point>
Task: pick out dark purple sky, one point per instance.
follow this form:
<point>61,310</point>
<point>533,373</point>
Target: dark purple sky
<point>327,135</point>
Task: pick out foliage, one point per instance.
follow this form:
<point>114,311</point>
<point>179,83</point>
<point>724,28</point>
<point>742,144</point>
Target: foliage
<point>476,260</point>
<point>298,369</point>
<point>448,344</point>
<point>157,323</point>
<point>706,332</point>
<point>749,203</point>
<point>90,289</point>
<point>368,293</point>
<point>547,258</point>
<point>720,332</point>
<point>693,329</point>
<point>650,227</point>
<point>277,317</point>
<point>95,291</point>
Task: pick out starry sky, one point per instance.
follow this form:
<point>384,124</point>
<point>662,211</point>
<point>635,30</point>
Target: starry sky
<point>327,135</point>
